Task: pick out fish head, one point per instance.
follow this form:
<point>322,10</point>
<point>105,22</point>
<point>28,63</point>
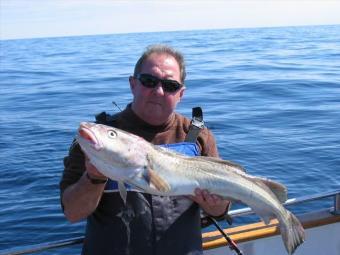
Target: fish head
<point>111,146</point>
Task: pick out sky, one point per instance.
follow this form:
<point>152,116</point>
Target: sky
<point>52,18</point>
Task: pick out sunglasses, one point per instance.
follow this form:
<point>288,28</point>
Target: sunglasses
<point>150,81</point>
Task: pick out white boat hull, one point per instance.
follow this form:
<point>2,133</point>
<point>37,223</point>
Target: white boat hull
<point>322,237</point>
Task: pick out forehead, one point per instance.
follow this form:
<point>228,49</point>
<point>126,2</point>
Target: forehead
<point>161,60</point>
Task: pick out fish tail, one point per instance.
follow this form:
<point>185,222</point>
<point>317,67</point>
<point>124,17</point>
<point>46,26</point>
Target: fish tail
<point>292,233</point>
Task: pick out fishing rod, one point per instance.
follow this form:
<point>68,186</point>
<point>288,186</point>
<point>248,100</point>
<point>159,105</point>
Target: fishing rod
<point>115,104</point>
<point>232,245</point>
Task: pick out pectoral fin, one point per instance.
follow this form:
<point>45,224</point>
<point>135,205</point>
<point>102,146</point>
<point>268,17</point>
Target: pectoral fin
<point>122,191</point>
<point>158,182</point>
<point>154,179</point>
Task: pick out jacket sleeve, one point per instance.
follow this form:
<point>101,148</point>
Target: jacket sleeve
<point>74,167</point>
<point>207,143</point>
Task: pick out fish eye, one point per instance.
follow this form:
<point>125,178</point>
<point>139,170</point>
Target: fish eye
<point>112,134</point>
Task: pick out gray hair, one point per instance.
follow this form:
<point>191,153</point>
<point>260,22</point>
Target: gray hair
<point>161,49</point>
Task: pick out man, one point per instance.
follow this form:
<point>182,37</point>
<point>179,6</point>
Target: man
<point>146,224</point>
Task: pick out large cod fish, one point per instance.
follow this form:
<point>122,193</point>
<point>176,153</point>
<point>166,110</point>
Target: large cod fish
<point>130,159</point>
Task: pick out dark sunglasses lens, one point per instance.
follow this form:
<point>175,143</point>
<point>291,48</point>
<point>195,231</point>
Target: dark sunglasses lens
<point>170,86</point>
<point>148,81</point>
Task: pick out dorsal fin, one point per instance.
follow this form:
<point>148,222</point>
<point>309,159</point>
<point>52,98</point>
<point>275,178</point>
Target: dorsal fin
<point>168,151</point>
<point>220,161</point>
<point>278,189</point>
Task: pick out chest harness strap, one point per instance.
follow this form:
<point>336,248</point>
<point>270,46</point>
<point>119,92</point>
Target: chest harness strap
<point>196,125</point>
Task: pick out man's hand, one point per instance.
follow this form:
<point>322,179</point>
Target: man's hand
<point>92,170</point>
<point>212,204</point>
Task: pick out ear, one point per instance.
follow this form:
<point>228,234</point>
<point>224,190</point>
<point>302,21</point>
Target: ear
<point>181,93</point>
<point>133,84</point>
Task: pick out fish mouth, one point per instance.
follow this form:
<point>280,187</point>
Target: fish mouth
<point>85,132</point>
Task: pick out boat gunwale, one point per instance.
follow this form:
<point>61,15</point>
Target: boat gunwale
<point>270,230</point>
<point>258,230</point>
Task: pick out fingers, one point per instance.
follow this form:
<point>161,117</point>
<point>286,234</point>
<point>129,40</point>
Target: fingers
<point>212,204</point>
<point>204,197</point>
<point>92,170</point>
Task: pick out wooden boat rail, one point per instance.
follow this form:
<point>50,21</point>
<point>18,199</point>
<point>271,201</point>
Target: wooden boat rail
<point>253,231</point>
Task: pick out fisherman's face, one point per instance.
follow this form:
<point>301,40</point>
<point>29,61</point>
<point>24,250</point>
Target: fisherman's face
<point>154,105</point>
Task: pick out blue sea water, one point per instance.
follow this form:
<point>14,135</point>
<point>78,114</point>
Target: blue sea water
<point>271,96</point>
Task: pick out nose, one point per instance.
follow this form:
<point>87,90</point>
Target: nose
<point>159,89</point>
